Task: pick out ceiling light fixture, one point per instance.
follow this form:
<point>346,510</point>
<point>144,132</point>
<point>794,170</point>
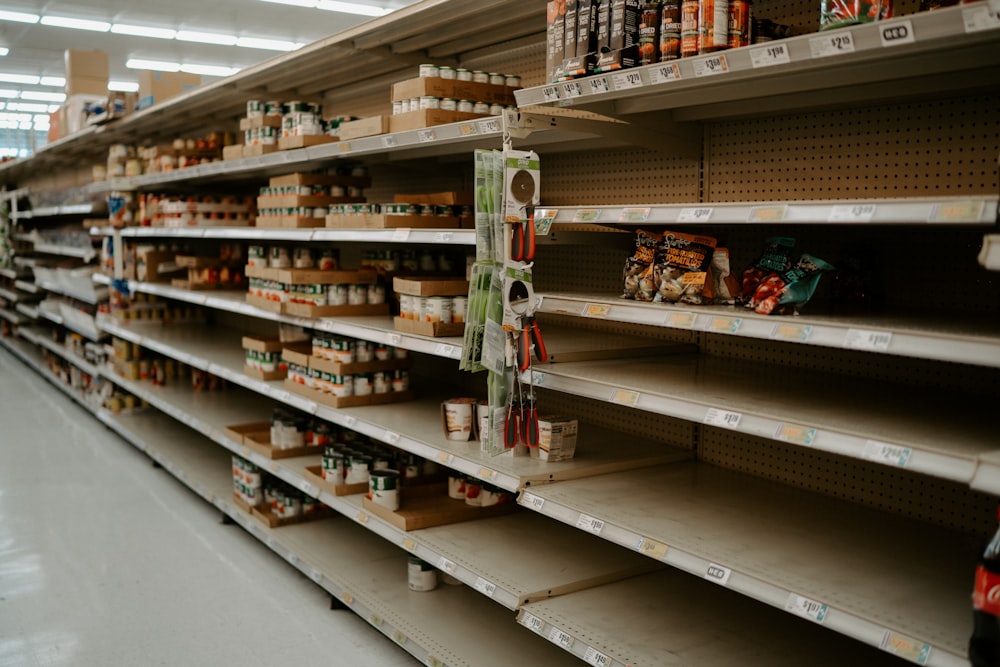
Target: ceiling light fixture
<point>27,106</point>
<point>4,51</point>
<point>143,31</point>
<point>76,24</point>
<point>28,79</point>
<point>8,93</point>
<point>310,4</point>
<point>43,96</point>
<point>209,70</point>
<point>351,8</point>
<point>54,81</point>
<point>206,37</point>
<point>123,86</point>
<point>267,44</point>
<point>18,17</point>
<point>158,65</point>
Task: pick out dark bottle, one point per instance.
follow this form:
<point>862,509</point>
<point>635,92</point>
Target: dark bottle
<point>984,647</point>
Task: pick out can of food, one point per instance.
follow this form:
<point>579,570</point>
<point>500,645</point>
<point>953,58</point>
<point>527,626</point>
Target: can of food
<point>256,255</point>
<point>280,259</point>
<point>382,352</point>
<point>512,81</point>
<point>464,106</point>
<point>448,104</point>
<point>489,496</point>
<point>343,351</point>
<point>357,295</point>
<point>430,102</point>
<point>342,385</point>
<point>713,25</point>
<point>400,381</point>
<point>428,71</point>
<point>463,74</point>
<point>397,108</point>
<point>458,416</point>
<point>400,353</point>
<point>473,492</point>
<point>446,72</point>
<point>272,108</point>
<point>459,307</point>
<point>481,108</point>
<point>456,486</point>
<point>255,108</point>
<point>438,309</point>
<point>383,488</point>
<point>362,384</point>
<point>375,294</point>
<point>336,295</point>
<point>496,109</point>
<point>268,136</point>
<point>689,28</point>
<point>333,468</point>
<point>421,575</point>
<point>358,469</point>
<point>739,23</point>
<point>302,258</point>
<point>497,79</point>
<point>405,306</point>
<point>380,383</point>
<point>316,294</point>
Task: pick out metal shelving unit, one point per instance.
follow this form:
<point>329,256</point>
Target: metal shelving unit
<point>53,211</point>
<point>40,338</point>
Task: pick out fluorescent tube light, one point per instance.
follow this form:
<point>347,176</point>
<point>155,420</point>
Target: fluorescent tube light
<point>143,31</point>
<point>158,65</point>
<point>4,51</point>
<point>123,86</point>
<point>9,94</point>
<point>29,79</point>
<point>43,96</point>
<point>351,8</point>
<point>206,37</point>
<point>54,81</point>
<point>27,106</point>
<point>267,44</point>
<point>76,24</point>
<point>311,4</point>
<point>53,108</point>
<point>208,70</point>
<point>18,17</point>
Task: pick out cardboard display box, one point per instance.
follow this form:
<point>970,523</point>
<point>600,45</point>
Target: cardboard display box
<point>266,376</point>
<point>418,120</point>
<point>312,276</point>
<point>315,475</point>
<point>347,401</point>
<point>362,310</point>
<point>87,72</point>
<point>319,179</point>
<point>260,442</point>
<point>435,329</point>
<point>291,201</point>
<point>258,122</point>
<point>357,367</point>
<point>556,439</point>
<point>266,304</point>
<point>265,516</point>
<point>256,150</point>
<point>304,141</point>
<point>298,357</point>
<point>366,127</point>
<point>437,198</point>
<point>430,506</point>
<point>159,86</point>
<point>288,221</point>
<point>234,152</point>
<point>385,221</point>
<point>454,89</point>
<point>237,432</point>
<point>420,286</point>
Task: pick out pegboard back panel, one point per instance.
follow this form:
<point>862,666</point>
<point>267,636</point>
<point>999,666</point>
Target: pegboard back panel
<point>587,268</point>
<point>927,148</point>
<point>414,177</point>
<point>376,102</point>
<point>802,16</point>
<point>940,502</point>
<point>656,335</point>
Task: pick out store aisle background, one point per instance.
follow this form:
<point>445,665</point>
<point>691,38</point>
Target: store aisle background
<point>107,561</point>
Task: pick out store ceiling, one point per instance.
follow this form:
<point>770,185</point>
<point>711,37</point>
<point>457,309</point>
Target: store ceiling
<point>37,50</point>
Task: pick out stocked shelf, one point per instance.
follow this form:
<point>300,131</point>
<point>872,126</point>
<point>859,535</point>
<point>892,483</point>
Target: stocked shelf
<point>29,311</point>
<point>42,339</point>
<point>53,211</point>
<point>669,618</point>
<point>947,50</point>
<point>868,573</point>
<point>11,316</point>
<point>402,235</point>
<point>969,340</point>
<point>886,423</point>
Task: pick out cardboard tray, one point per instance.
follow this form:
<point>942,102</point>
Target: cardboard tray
<point>265,304</point>
<point>418,511</point>
<point>279,374</point>
<point>260,442</point>
<point>422,286</point>
<point>297,357</point>
<point>304,141</point>
<point>289,201</point>
<point>315,475</point>
<point>232,152</point>
<point>265,516</point>
<point>237,432</point>
<point>453,88</point>
<point>288,222</point>
<point>418,120</point>
<point>262,344</point>
<point>300,178</point>
<point>357,367</point>
<point>312,276</point>
<point>192,262</point>
<point>384,221</point>
<point>309,310</point>
<point>347,401</point>
<point>435,329</point>
<point>366,127</point>
<point>181,283</point>
<point>258,122</point>
<point>257,150</point>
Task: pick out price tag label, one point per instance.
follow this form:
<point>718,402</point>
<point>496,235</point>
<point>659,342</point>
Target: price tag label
<point>980,18</point>
<point>350,422</point>
<point>487,588</point>
<point>627,80</point>
<point>344,147</point>
<point>718,574</point>
<point>532,501</point>
<point>970,211</point>
<point>400,233</point>
<point>594,657</point>
<point>490,125</point>
<point>590,524</point>
<point>391,437</point>
<point>444,237</point>
<point>272,544</point>
<point>245,452</point>
<point>681,320</point>
<point>634,215</point>
<point>445,458</point>
<point>723,418</point>
<point>536,378</point>
<point>905,647</point>
<point>806,608</point>
<point>544,217</point>
<point>897,32</point>
<point>434,662</point>
<point>665,73</point>
<point>766,56</point>
<point>863,339</point>
<point>348,599</point>
<point>425,136</point>
<point>587,215</point>
<point>651,548</point>
<point>362,518</point>
<point>394,339</point>
<point>883,452</point>
<point>447,565</point>
<point>399,637</point>
<point>550,94</point>
<point>694,214</point>
<point>376,621</point>
<point>852,213</point>
<point>316,576</point>
<point>409,544</point>
<point>767,213</point>
<point>833,44</point>
<point>598,310</point>
<point>532,622</point>
<point>728,325</point>
<point>796,434</point>
<point>389,141</point>
<point>599,85</point>
<point>572,89</point>
<point>444,350</point>
<point>468,130</point>
<point>557,636</point>
<point>487,474</point>
<point>711,66</point>
<point>625,397</point>
<point>798,333</point>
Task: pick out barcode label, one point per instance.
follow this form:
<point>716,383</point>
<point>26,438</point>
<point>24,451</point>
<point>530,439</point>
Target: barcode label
<point>806,608</point>
<point>590,524</point>
<point>723,418</point>
<point>487,588</point>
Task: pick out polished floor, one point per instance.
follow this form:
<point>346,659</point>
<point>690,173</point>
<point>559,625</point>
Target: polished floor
<point>106,561</point>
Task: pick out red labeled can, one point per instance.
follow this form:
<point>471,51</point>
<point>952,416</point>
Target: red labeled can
<point>689,28</point>
<point>670,30</point>
<point>713,26</point>
<point>739,23</point>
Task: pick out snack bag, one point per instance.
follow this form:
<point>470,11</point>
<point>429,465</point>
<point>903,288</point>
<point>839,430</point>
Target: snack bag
<point>775,258</point>
<point>638,272</point>
<point>782,292</point>
<point>840,13</point>
<point>682,270</point>
<point>727,288</point>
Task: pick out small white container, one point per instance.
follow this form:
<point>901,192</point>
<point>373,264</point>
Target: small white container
<point>429,71</point>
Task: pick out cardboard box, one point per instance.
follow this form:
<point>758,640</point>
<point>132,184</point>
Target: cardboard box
<point>420,286</point>
<point>256,150</point>
<point>366,127</point>
<point>438,198</point>
<point>238,432</point>
<point>418,120</point>
<point>155,87</point>
<point>262,344</point>
<point>304,141</point>
<point>260,442</point>
<point>264,515</point>
<point>153,266</point>
<point>299,357</point>
<point>265,304</point>
<point>424,508</point>
<point>362,310</point>
<point>315,475</point>
<point>288,221</point>
<point>435,329</point>
<point>85,85</point>
<point>258,122</point>
<point>569,34</point>
<point>87,72</point>
<point>312,276</point>
<point>626,15</point>
<point>319,179</point>
<point>385,221</point>
<point>232,152</point>
<point>347,401</point>
<point>556,439</point>
<point>454,89</point>
<point>75,110</point>
<point>314,201</point>
<point>357,367</point>
<point>603,25</point>
<point>266,376</point>
<point>586,26</point>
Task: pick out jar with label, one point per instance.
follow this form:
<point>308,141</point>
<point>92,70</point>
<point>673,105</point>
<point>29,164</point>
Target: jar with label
<point>459,306</point>
<point>280,259</point>
<point>364,351</point>
<point>448,104</point>
<point>430,102</point>
<point>464,106</point>
<point>256,255</point>
<point>342,385</point>
<point>380,383</point>
<point>400,381</point>
<point>496,109</point>
<point>446,72</point>
<point>480,76</point>
<point>268,136</point>
<point>497,79</point>
<point>481,108</point>
<point>438,309</point>
<point>362,384</point>
<point>336,295</point>
<point>343,351</point>
<point>357,295</point>
<point>429,71</point>
<point>463,74</point>
<point>302,258</point>
<point>327,261</point>
<point>512,81</point>
<point>376,294</point>
<point>382,352</point>
<point>421,576</point>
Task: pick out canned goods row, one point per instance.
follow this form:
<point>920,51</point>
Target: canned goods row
<point>260,108</point>
<point>317,294</point>
<point>414,261</point>
<point>295,212</point>
<point>290,432</point>
<point>462,74</point>
<point>400,209</point>
<point>342,386</point>
<point>158,312</point>
<point>286,502</point>
<point>353,462</point>
<point>119,401</point>
<point>349,351</point>
<point>299,257</point>
<point>267,362</point>
<point>311,191</point>
<point>475,492</point>
<point>445,309</point>
<point>448,104</point>
<point>205,381</point>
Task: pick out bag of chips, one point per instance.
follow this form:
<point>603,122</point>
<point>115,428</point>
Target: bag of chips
<point>775,258</point>
<point>727,288</point>
<point>682,270</point>
<point>638,271</point>
<point>781,293</point>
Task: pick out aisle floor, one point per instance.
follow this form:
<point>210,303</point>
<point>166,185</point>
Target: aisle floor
<point>106,561</point>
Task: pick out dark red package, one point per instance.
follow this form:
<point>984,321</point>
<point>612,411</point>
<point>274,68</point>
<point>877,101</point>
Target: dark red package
<point>781,293</point>
<point>775,258</point>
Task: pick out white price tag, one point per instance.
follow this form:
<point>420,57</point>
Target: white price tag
<point>316,576</point>
<point>557,636</point>
<point>391,437</point>
<point>532,622</point>
<point>832,44</point>
<point>490,125</point>
<point>883,452</point>
<point>962,211</point>
<point>532,501</point>
<point>905,647</point>
<point>389,141</point>
<point>664,73</point>
<point>444,350</point>
<point>550,94</point>
<point>599,85</point>
<point>711,66</point>
<point>487,588</point>
<point>400,233</point>
<point>350,422</point>
<point>394,339</point>
<point>806,608</point>
<point>694,214</point>
<point>980,18</point>
<point>536,378</point>
<point>852,213</point>
<point>596,658</point>
<point>626,80</point>
<point>444,237</point>
<point>768,213</point>
<point>624,397</point>
<point>447,565</point>
<point>766,56</point>
<point>863,339</point>
<point>572,89</point>
<point>590,524</point>
<point>718,574</point>
<point>897,32</point>
<point>723,418</point>
<point>425,136</point>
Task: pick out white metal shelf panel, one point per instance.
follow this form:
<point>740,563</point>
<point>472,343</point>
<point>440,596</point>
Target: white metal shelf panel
<point>13,274</point>
<point>887,423</point>
<point>11,296</point>
<point>11,316</point>
<point>87,293</point>
<point>464,237</point>
<point>989,254</point>
<point>874,572</point>
<point>85,254</point>
<point>28,311</point>
<point>29,287</point>
<point>32,358</point>
<point>53,211</point>
<point>669,619</point>
<point>906,55</point>
<point>968,340</point>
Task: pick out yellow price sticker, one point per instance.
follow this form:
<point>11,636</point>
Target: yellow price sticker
<point>345,147</point>
<point>906,647</point>
<point>725,324</point>
<point>650,547</point>
<point>598,310</point>
<point>409,544</point>
<point>681,320</point>
<point>362,517</point>
<point>348,599</point>
<point>625,397</point>
<point>767,213</point>
<point>796,434</point>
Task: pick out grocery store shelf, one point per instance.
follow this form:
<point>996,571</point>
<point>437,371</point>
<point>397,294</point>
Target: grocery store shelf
<point>403,235</point>
<point>11,316</point>
<point>887,423</point>
<point>58,318</point>
<point>953,49</point>
<point>92,295</point>
<point>42,339</point>
<point>29,311</point>
<point>970,340</point>
<point>26,286</point>
<point>872,572</point>
<point>23,261</point>
<point>917,211</point>
<point>85,254</point>
<point>671,619</point>
<point>989,255</point>
<point>49,315</point>
<point>13,274</point>
<point>53,211</point>
<point>29,354</point>
<point>11,296</point>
